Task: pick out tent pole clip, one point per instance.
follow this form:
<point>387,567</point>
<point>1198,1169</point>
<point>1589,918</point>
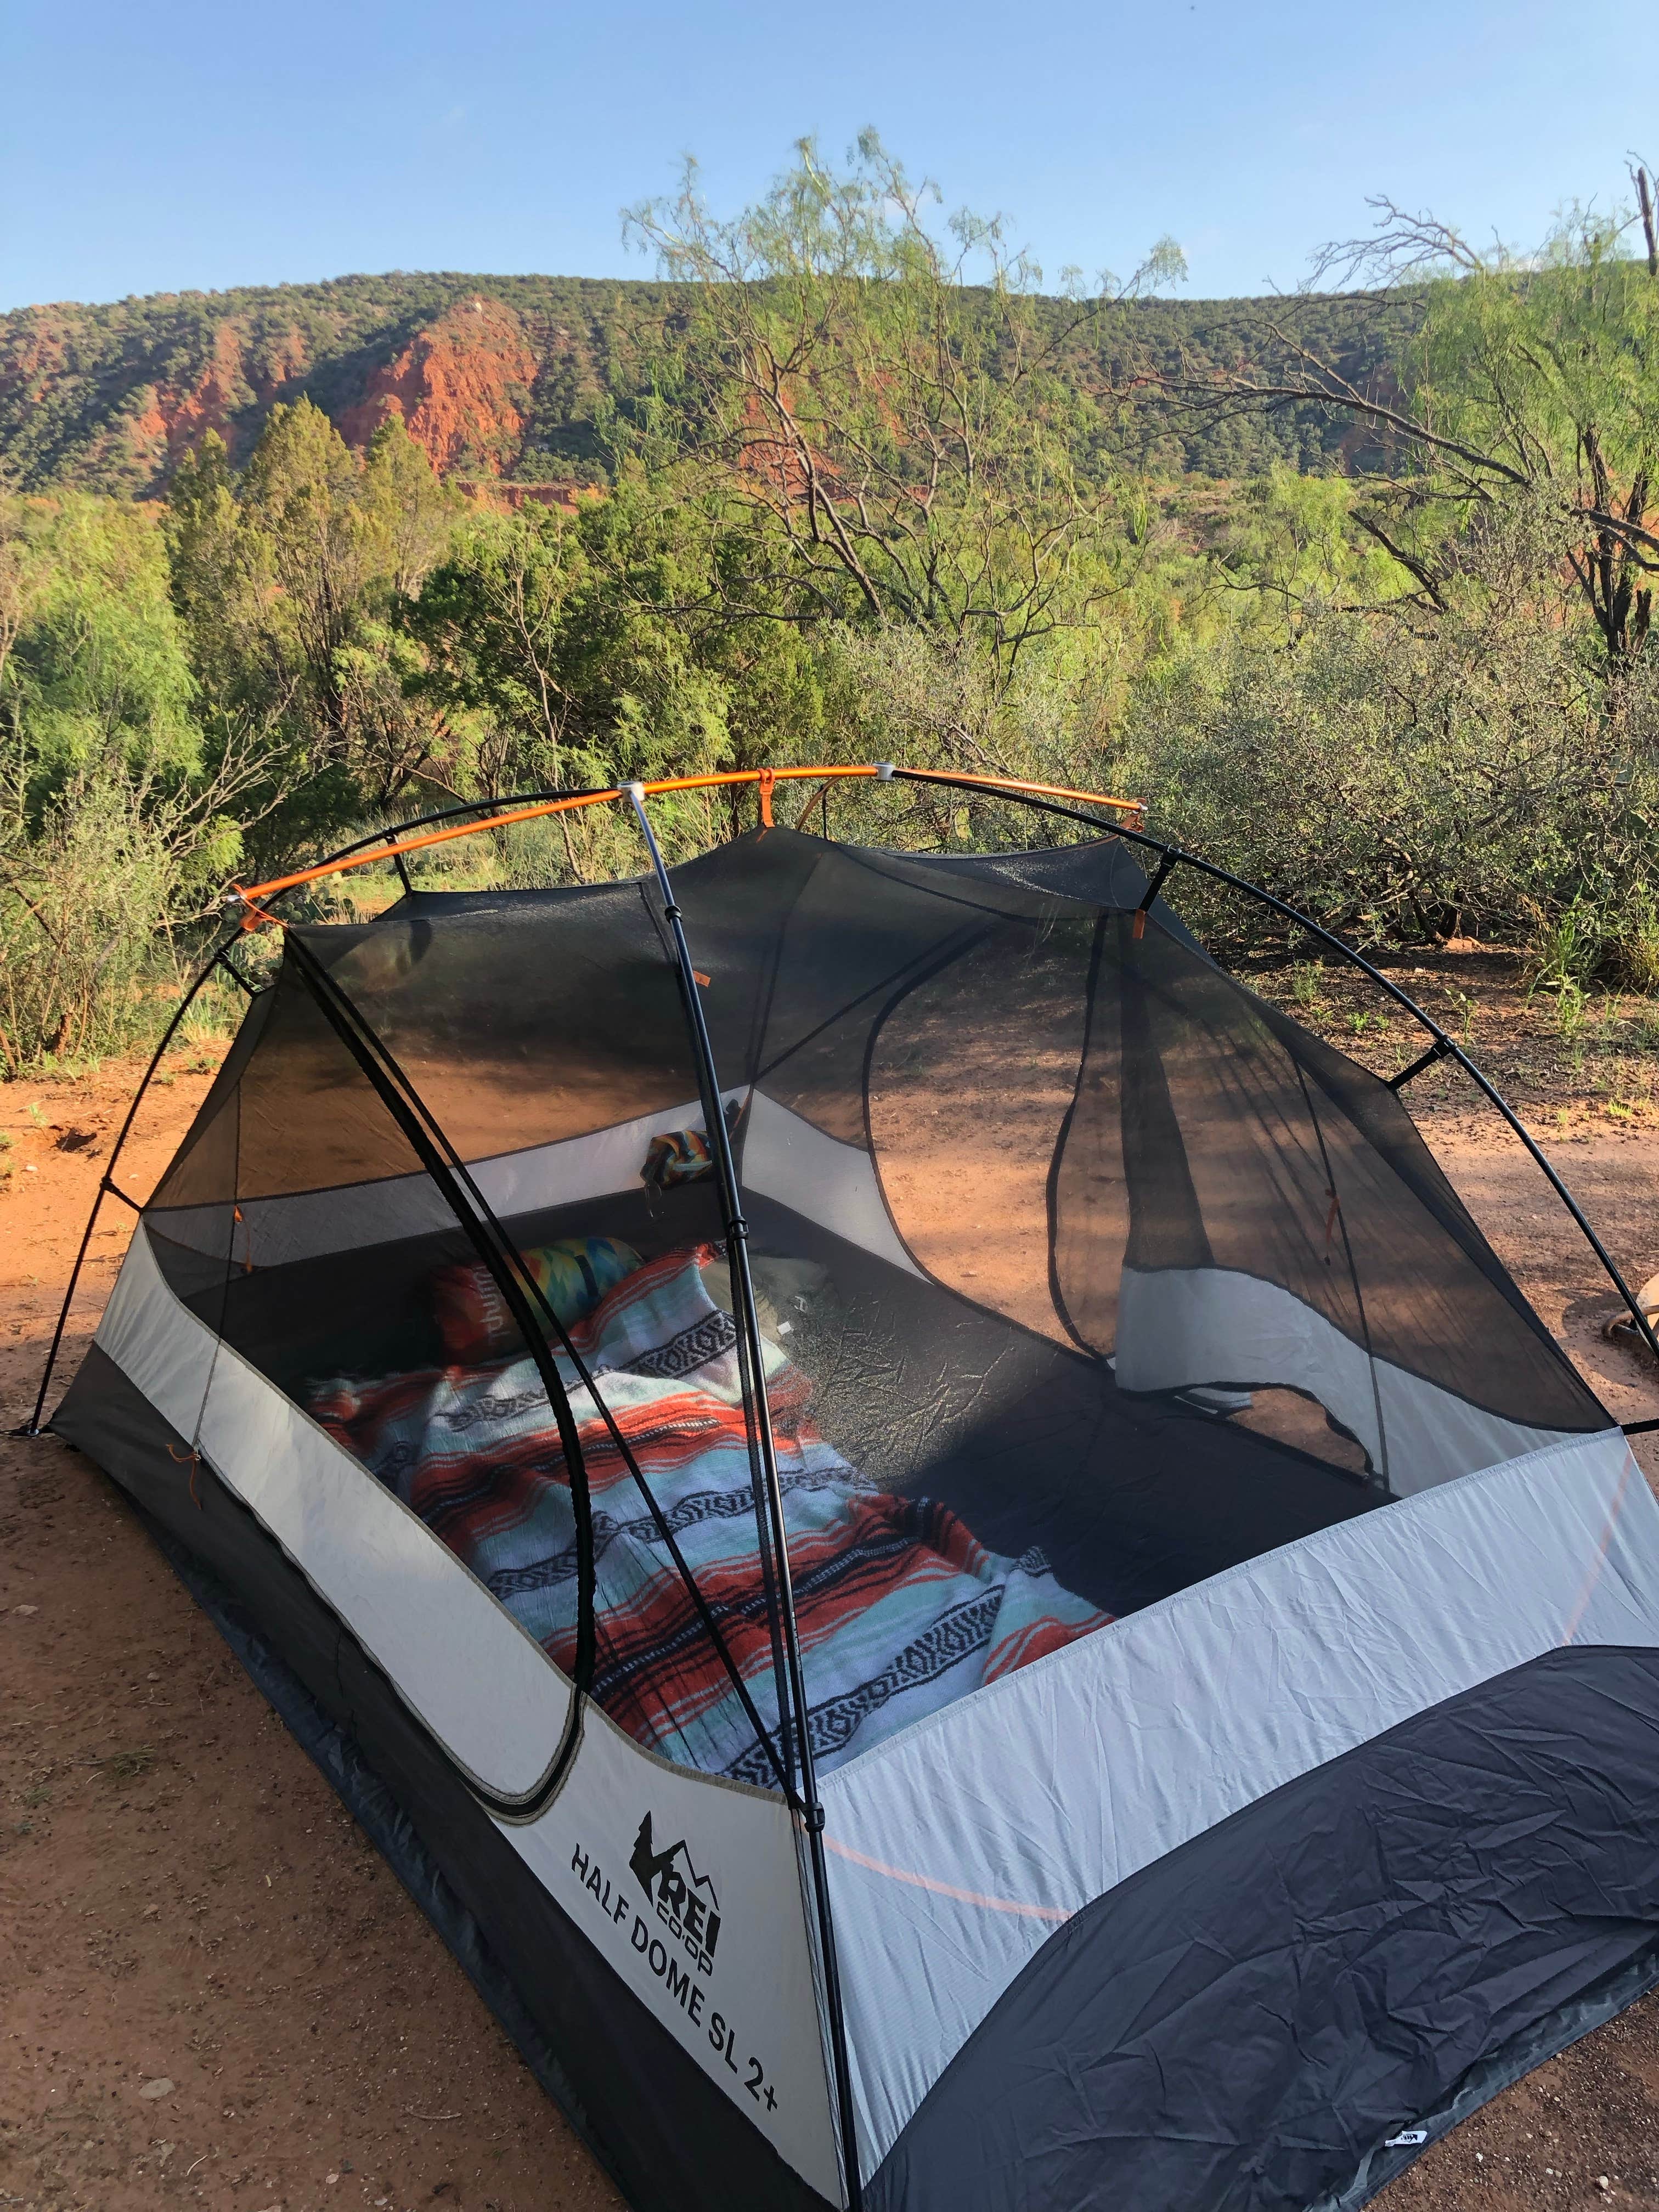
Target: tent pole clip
<point>1437,1050</point>
<point>812,1818</point>
<point>1153,888</point>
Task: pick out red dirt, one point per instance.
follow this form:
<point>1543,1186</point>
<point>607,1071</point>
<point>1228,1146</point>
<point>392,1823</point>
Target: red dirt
<point>182,1900</point>
<point>182,1897</point>
<point>178,417</point>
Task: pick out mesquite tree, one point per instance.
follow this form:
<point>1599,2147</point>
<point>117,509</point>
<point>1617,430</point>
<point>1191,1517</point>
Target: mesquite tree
<point>876,400</point>
<point>1529,382</point>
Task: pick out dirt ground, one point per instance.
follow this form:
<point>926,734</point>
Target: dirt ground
<point>214,1994</point>
<point>212,1990</point>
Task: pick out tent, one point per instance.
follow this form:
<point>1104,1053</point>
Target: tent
<point>924,1526</point>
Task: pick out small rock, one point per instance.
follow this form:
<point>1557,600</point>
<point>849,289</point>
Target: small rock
<point>29,1168</point>
<point>331,2176</point>
<point>25,1612</point>
<point>160,2087</point>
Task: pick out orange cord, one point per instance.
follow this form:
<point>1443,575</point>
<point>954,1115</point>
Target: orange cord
<point>194,1459</point>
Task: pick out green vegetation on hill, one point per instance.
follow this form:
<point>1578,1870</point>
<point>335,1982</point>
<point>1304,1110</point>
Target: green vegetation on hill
<point>77,383</point>
<point>1393,659</point>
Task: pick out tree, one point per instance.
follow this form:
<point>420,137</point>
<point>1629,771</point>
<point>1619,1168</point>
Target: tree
<point>289,579</point>
<point>894,443</point>
<point>1530,380</point>
<point>489,619</point>
<point>120,807</point>
<point>301,506</point>
<point>580,649</point>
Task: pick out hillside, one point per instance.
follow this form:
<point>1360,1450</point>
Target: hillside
<point>501,377</point>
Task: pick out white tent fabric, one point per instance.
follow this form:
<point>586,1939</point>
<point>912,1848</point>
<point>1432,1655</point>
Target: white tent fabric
<point>958,1847</point>
<point>746,2009</point>
<point>1181,1327</point>
<point>479,1682</point>
<point>784,1156</point>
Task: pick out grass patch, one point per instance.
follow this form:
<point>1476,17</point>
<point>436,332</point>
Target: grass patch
<point>127,1765</point>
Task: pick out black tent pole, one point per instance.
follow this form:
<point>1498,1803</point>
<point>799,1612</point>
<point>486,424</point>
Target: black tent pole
<point>31,1427</point>
<point>1445,1046</point>
<point>498,1252</point>
<point>737,1232</point>
<point>467,1182</point>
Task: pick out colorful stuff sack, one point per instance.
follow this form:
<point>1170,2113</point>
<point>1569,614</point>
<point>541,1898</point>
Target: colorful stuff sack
<point>572,1276</point>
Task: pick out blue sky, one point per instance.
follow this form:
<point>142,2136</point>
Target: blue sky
<point>189,145</point>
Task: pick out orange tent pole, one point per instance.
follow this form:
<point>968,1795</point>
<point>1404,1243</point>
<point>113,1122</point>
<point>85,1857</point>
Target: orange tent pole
<point>254,913</point>
<point>1135,807</point>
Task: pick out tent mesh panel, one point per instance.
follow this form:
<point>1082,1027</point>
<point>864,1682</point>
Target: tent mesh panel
<point>1073,1257</point>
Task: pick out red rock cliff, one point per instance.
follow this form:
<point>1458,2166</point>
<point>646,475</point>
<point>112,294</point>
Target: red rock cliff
<point>176,418</point>
<point>462,386</point>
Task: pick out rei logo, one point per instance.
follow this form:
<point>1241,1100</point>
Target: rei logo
<point>683,1899</point>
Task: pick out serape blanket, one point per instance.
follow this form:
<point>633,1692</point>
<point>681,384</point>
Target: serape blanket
<point>900,1610</point>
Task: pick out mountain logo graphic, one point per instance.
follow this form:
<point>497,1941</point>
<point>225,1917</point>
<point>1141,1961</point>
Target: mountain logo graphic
<point>681,1897</point>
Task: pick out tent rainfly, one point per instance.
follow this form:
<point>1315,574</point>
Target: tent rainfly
<point>924,1528</point>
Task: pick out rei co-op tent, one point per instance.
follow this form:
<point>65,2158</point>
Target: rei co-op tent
<point>925,1527</point>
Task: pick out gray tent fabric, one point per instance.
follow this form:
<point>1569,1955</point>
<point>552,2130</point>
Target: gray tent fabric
<point>1256,2015</point>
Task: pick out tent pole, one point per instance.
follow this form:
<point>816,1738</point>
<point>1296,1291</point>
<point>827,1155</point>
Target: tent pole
<point>1424,1059</point>
<point>1446,1045</point>
<point>31,1427</point>
<point>493,1246</point>
<point>463,1178</point>
<point>737,1230</point>
<point>444,1164</point>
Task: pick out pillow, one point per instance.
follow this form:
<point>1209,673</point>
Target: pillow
<point>573,1275</point>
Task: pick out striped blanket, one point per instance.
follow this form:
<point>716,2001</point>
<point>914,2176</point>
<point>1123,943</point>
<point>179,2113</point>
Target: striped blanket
<point>900,1610</point>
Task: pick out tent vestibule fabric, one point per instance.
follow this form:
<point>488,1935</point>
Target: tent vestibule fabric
<point>1090,1649</point>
